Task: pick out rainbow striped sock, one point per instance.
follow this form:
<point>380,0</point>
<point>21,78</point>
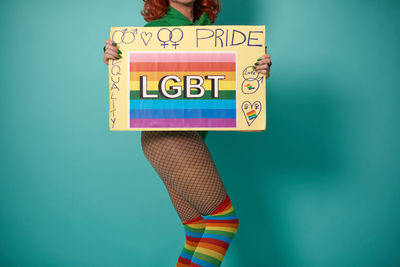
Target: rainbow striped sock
<point>221,227</point>
<point>193,230</point>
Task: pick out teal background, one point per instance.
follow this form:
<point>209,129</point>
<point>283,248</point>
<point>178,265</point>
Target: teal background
<point>320,187</point>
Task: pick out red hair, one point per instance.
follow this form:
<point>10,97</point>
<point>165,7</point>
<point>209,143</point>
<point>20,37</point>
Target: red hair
<point>155,9</point>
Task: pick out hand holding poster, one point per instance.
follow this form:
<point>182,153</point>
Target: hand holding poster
<point>187,78</point>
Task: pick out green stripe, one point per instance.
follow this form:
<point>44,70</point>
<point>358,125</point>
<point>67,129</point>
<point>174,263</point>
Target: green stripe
<point>216,232</point>
<point>225,94</point>
<point>225,215</point>
<point>194,230</point>
<point>189,252</point>
<point>207,258</point>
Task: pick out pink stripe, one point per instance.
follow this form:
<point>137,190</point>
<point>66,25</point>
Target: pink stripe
<point>181,57</point>
<point>183,123</point>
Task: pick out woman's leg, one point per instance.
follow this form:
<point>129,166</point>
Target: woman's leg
<point>184,162</point>
<point>185,210</point>
<point>193,225</point>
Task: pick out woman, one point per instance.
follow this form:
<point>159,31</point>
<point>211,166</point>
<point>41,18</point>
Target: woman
<point>182,159</point>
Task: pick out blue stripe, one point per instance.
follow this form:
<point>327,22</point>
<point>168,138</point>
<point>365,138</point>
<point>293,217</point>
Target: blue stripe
<point>179,104</point>
<point>219,237</point>
<point>185,256</point>
<point>192,234</point>
<point>182,113</point>
<point>201,262</point>
<point>220,218</point>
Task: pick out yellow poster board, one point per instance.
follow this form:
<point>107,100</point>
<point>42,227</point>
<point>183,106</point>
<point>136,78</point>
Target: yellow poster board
<point>187,78</point>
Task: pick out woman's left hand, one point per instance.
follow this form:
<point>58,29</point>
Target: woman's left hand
<point>263,65</point>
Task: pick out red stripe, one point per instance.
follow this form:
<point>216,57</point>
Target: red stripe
<point>194,220</point>
<point>194,239</point>
<point>222,205</point>
<point>183,260</point>
<point>182,66</point>
<point>215,242</point>
<point>195,265</point>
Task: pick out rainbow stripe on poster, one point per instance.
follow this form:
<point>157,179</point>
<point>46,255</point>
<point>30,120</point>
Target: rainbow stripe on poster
<point>251,114</point>
<point>152,107</point>
<point>249,86</point>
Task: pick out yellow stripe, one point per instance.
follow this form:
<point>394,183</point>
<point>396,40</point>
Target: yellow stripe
<point>226,211</point>
<point>155,76</point>
<point>153,85</point>
<point>225,229</point>
<point>197,226</point>
<point>190,247</point>
<point>210,253</point>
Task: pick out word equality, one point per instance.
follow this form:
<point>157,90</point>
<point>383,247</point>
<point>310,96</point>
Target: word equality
<point>221,37</point>
<point>187,86</point>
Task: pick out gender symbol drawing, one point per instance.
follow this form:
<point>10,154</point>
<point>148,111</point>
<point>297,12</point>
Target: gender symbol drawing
<point>251,111</point>
<point>124,36</point>
<point>251,81</point>
<point>174,36</point>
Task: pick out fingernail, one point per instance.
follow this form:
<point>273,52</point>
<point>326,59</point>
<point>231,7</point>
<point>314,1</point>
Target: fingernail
<point>114,44</point>
<point>119,51</point>
<point>258,59</point>
<point>256,63</point>
<point>254,67</point>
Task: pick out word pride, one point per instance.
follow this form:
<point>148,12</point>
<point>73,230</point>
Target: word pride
<point>182,89</point>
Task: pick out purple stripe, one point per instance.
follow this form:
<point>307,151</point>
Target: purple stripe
<point>183,123</point>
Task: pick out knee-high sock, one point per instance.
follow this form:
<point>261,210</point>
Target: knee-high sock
<point>193,230</point>
<point>221,227</point>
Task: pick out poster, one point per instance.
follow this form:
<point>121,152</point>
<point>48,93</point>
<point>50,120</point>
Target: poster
<point>187,78</point>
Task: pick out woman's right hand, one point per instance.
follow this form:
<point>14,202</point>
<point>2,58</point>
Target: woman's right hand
<point>112,52</point>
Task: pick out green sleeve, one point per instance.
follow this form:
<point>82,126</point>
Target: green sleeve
<point>156,23</point>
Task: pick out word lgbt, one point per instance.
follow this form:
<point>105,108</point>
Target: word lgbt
<point>182,89</point>
<point>188,86</point>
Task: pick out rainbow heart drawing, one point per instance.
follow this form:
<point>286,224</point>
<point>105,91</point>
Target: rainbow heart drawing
<point>251,111</point>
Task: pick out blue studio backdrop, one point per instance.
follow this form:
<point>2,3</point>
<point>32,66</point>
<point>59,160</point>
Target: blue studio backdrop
<point>319,188</point>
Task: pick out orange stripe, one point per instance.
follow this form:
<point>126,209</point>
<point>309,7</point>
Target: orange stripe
<point>191,243</point>
<point>212,247</point>
<point>197,222</point>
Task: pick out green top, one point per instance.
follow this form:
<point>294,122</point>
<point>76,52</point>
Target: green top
<point>175,18</point>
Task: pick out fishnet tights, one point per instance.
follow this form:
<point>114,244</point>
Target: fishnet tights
<point>185,165</point>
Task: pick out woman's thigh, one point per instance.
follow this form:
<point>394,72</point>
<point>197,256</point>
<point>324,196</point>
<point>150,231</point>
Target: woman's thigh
<point>183,159</point>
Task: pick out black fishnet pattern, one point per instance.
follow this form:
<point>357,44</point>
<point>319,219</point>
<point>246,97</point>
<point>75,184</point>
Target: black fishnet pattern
<point>184,209</point>
<point>184,163</point>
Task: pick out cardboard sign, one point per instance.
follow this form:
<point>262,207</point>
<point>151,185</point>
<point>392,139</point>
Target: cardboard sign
<point>187,78</point>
